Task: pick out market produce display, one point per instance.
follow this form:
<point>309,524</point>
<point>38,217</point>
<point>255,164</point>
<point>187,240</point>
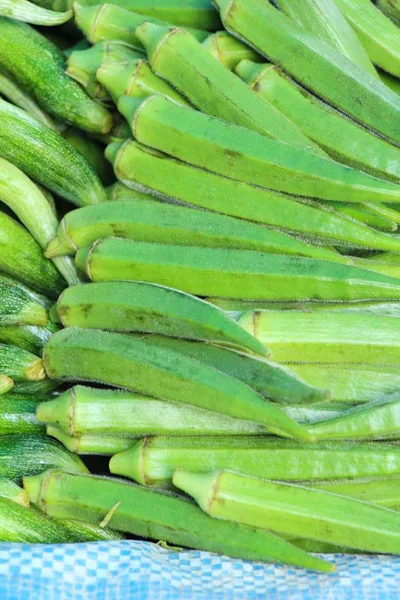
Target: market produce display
<point>200,275</point>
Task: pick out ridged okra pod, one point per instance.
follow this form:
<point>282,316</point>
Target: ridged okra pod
<point>150,221</point>
<point>326,337</point>
<point>136,306</point>
<point>38,66</point>
<point>153,460</point>
<point>228,50</point>
<point>56,164</point>
<point>146,170</point>
<point>294,510</point>
<point>102,445</point>
<point>382,492</point>
<point>233,151</point>
<point>176,56</point>
<point>151,514</point>
<point>232,273</point>
<point>315,64</point>
<point>23,455</point>
<point>342,138</point>
<point>267,378</point>
<point>126,361</point>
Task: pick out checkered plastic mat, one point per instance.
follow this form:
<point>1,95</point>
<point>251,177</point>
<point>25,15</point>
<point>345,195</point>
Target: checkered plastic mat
<point>139,570</point>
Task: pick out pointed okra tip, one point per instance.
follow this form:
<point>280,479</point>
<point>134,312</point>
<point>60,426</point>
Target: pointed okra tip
<point>151,35</point>
<point>130,463</point>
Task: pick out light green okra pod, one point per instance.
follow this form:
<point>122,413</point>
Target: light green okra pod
<point>233,151</point>
<point>103,445</point>
<point>146,513</point>
<point>229,50</point>
<point>383,492</point>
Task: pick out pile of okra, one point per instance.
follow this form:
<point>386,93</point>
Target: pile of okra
<point>200,275</point>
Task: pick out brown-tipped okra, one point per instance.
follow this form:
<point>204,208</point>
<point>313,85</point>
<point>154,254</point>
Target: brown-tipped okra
<point>267,378</point>
<point>339,136</point>
<point>326,337</point>
<point>126,361</point>
<point>234,273</point>
<point>134,78</point>
<point>228,50</point>
<point>294,510</point>
<point>149,221</point>
<point>23,455</point>
<point>144,307</point>
<point>108,22</point>
<point>150,514</point>
<point>315,64</point>
<point>162,176</point>
<point>152,461</point>
<point>176,56</point>
<point>38,66</point>
<point>233,151</point>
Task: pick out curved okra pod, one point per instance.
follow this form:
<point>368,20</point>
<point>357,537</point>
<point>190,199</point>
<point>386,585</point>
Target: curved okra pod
<point>177,57</point>
<point>55,163</point>
<point>229,50</point>
<point>37,65</point>
<point>108,22</point>
<point>135,78</point>
<point>341,137</point>
<point>146,513</point>
<point>126,361</point>
<point>153,460</point>
<point>26,11</point>
<point>147,308</point>
<point>294,510</point>
<point>149,221</point>
<point>161,176</point>
<point>267,378</point>
<point>233,151</point>
<point>326,337</point>
<point>22,258</point>
<point>315,64</point>
<point>16,95</point>
<point>232,273</point>
<point>20,194</point>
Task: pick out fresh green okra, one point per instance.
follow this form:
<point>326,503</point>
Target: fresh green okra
<point>232,273</point>
<point>37,65</point>
<point>228,50</point>
<point>126,361</point>
<point>153,460</point>
<point>326,337</point>
<point>136,306</point>
<point>26,11</point>
<point>157,174</point>
<point>360,212</point>
<point>342,138</point>
<point>23,455</point>
<point>119,191</point>
<point>176,56</point>
<point>382,492</point>
<point>56,165</point>
<point>146,513</point>
<point>102,445</point>
<point>135,78</point>
<point>267,378</point>
<point>294,510</point>
<point>148,221</point>
<point>385,268</point>
<point>314,64</point>
<point>245,155</point>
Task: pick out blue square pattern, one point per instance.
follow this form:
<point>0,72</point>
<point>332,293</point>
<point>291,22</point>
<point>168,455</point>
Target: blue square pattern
<point>125,570</point>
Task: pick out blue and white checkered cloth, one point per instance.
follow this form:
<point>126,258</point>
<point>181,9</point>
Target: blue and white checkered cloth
<point>125,570</point>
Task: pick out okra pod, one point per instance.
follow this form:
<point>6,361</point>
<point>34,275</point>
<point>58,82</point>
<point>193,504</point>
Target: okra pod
<point>119,191</point>
<point>37,65</point>
<point>382,492</point>
<point>342,138</point>
<point>149,221</point>
<point>108,22</point>
<point>157,174</point>
<point>267,378</point>
<point>136,306</point>
<point>11,491</point>
<point>152,461</point>
<point>314,64</point>
<point>385,268</point>
<point>23,455</point>
<point>19,364</point>
<point>294,510</point>
<point>103,445</point>
<point>232,273</point>
<point>56,165</point>
<point>176,56</point>
<point>146,513</point>
<point>26,11</point>
<point>244,155</point>
<point>228,50</point>
<point>135,78</point>
<point>126,361</point>
<point>18,96</point>
<point>360,213</point>
<point>325,337</point>
<point>18,416</point>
